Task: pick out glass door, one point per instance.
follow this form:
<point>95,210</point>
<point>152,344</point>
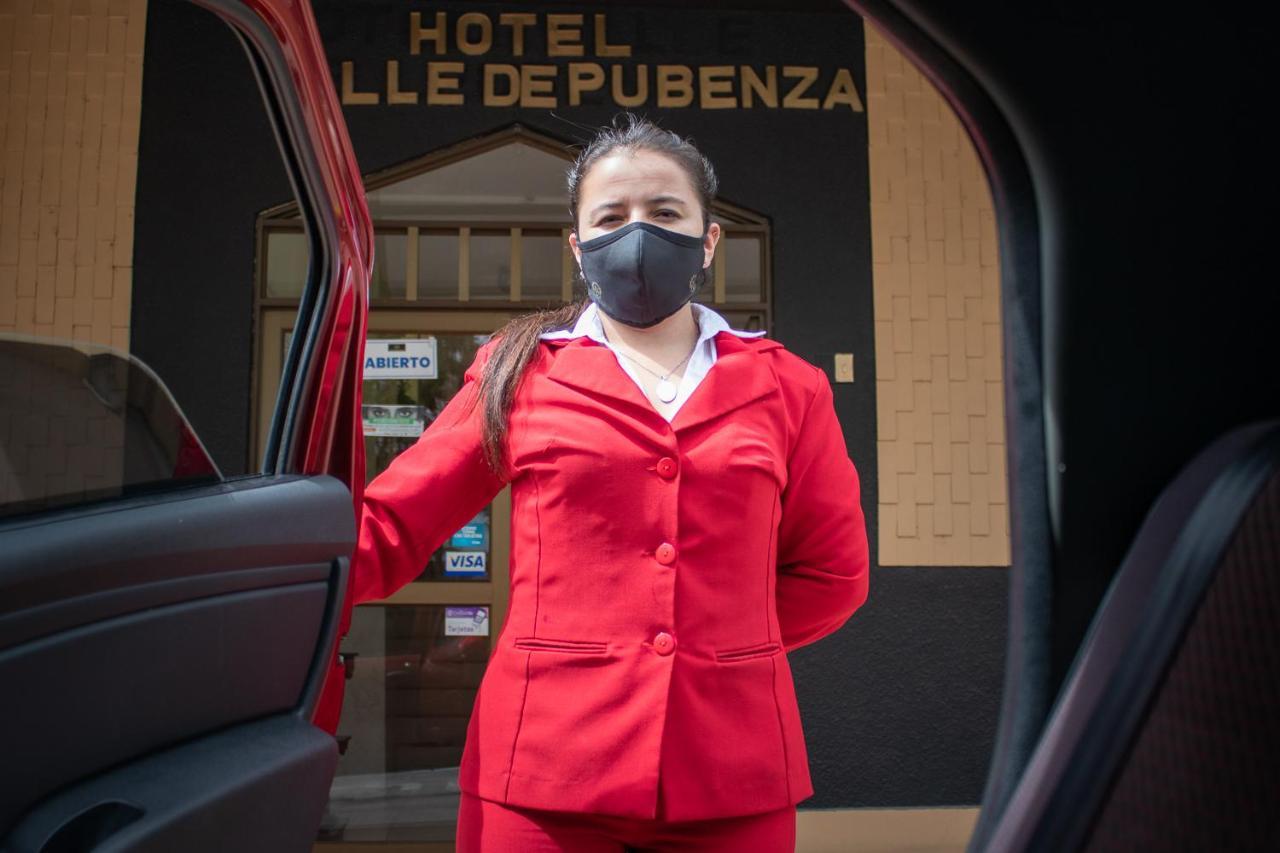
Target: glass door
<point>417,657</point>
<point>415,660</point>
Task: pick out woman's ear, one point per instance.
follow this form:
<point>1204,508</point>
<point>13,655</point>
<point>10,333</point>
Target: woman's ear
<point>573,247</point>
<point>709,244</point>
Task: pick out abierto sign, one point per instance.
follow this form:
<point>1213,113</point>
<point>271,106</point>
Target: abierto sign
<point>405,358</point>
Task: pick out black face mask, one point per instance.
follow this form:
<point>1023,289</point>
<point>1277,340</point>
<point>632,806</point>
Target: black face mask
<point>641,274</point>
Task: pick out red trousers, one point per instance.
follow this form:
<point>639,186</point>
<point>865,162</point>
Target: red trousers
<point>485,826</point>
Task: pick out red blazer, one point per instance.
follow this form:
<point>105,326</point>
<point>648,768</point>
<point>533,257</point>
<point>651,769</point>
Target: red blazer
<point>659,573</point>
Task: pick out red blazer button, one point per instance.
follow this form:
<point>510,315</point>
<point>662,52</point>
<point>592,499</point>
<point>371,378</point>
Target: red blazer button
<point>664,643</point>
<point>667,467</point>
<point>666,553</point>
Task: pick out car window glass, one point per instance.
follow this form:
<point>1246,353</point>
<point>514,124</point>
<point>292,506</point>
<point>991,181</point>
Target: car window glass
<point>86,422</point>
<point>127,336</point>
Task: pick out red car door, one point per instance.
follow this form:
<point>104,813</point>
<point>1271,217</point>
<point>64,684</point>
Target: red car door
<point>168,626</point>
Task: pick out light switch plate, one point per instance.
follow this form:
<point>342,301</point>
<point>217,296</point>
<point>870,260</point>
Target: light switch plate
<point>844,367</point>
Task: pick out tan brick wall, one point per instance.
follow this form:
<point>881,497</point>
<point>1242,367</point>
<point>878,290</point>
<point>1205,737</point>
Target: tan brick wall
<point>70,99</point>
<point>943,489</point>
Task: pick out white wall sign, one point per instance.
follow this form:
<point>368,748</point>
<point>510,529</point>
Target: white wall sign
<point>400,358</point>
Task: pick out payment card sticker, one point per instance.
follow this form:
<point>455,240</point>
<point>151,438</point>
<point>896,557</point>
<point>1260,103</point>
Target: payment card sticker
<point>391,421</point>
<point>466,621</point>
<point>473,535</point>
<point>464,563</point>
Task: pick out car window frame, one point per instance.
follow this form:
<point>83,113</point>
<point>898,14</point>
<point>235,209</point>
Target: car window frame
<point>1026,694</point>
<point>322,360</point>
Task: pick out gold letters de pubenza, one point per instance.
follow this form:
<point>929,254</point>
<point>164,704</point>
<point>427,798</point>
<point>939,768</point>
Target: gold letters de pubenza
<point>631,84</point>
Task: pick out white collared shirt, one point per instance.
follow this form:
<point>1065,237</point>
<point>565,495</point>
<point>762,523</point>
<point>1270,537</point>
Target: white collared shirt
<point>704,351</point>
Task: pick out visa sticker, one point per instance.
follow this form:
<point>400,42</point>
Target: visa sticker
<point>465,562</point>
<point>466,621</point>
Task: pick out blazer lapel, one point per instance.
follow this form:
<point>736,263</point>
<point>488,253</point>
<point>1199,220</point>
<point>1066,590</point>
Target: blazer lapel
<point>592,368</point>
<point>738,377</point>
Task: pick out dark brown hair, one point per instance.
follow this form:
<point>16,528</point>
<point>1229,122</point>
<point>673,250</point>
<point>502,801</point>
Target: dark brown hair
<point>517,341</point>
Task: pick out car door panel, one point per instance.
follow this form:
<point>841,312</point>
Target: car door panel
<point>132,629</point>
<point>86,560</point>
<point>166,635</point>
<point>255,787</point>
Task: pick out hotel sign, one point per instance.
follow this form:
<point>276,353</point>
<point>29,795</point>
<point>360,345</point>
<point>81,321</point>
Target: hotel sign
<point>548,60</point>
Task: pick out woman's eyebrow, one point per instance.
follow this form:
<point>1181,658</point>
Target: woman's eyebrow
<point>655,200</point>
<point>605,206</point>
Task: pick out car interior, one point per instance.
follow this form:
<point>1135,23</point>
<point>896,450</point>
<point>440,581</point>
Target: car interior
<point>1141,700</point>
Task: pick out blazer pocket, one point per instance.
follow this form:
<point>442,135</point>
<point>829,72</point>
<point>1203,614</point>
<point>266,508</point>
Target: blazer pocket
<point>759,650</point>
<point>543,644</point>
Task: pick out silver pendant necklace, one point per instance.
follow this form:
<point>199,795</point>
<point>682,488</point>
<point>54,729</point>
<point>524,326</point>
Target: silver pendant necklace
<point>666,388</point>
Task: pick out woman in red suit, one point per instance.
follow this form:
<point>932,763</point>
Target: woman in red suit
<point>684,513</point>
